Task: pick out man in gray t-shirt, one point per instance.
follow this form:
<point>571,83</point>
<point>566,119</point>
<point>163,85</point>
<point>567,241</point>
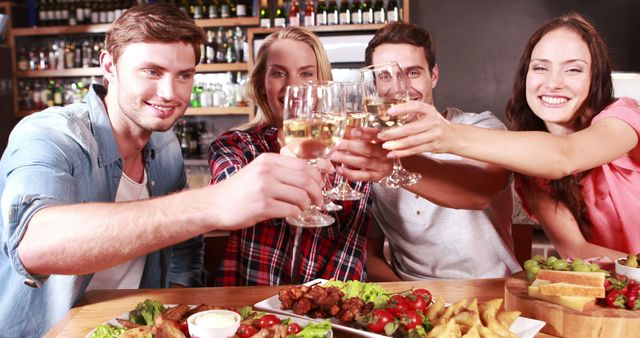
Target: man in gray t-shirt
<point>455,222</point>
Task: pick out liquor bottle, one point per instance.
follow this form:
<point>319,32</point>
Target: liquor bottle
<point>80,9</point>
<point>230,53</point>
<point>225,9</point>
<point>356,12</point>
<point>43,11</point>
<point>71,13</point>
<point>184,6</point>
<point>379,12</point>
<point>241,9</point>
<point>213,8</point>
<point>333,14</point>
<point>294,14</point>
<point>309,14</point>
<point>210,49</point>
<point>221,46</point>
<point>22,62</point>
<point>345,13</point>
<point>322,14</point>
<point>196,9</point>
<point>86,5</point>
<point>280,19</point>
<point>95,12</point>
<point>367,12</point>
<point>393,11</point>
<point>265,19</point>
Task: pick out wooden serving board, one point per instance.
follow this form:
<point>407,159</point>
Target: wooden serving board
<point>595,321</point>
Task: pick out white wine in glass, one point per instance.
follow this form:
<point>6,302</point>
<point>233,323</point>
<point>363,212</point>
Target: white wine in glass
<point>385,85</point>
<point>356,117</point>
<point>311,130</point>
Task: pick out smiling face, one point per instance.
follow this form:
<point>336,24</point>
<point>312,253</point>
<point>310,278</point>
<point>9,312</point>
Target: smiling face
<point>153,84</point>
<point>420,80</point>
<point>558,79</point>
<point>289,62</point>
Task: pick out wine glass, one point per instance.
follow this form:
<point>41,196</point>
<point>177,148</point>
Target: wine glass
<point>311,130</point>
<point>353,103</point>
<point>385,85</point>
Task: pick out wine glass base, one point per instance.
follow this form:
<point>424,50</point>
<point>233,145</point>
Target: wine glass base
<point>344,192</point>
<point>331,207</point>
<point>399,179</point>
<point>311,219</point>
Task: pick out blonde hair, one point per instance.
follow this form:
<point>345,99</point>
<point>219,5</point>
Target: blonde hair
<point>256,87</point>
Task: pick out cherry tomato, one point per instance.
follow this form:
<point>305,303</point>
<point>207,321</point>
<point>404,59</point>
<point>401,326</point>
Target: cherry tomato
<point>397,305</point>
<point>411,319</point>
<point>246,331</point>
<point>184,327</point>
<point>293,328</point>
<point>380,318</point>
<point>426,294</point>
<point>268,321</point>
<point>417,302</point>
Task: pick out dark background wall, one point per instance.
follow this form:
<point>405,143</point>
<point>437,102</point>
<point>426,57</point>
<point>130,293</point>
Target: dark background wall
<point>479,42</point>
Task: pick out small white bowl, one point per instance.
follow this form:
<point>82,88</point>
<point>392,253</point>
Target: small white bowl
<point>214,324</point>
<point>627,270</point>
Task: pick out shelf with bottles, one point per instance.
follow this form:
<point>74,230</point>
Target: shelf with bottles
<point>332,15</point>
<point>38,94</point>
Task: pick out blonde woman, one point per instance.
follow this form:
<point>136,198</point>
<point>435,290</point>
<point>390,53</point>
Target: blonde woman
<point>262,255</point>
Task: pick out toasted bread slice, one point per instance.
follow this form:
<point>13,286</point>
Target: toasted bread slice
<point>572,277</point>
<point>572,302</point>
<point>566,289</point>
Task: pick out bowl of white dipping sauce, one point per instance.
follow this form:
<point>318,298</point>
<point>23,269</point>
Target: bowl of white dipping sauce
<point>214,324</point>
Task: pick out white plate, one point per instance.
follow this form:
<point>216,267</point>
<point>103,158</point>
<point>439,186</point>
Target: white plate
<point>302,321</point>
<point>523,327</point>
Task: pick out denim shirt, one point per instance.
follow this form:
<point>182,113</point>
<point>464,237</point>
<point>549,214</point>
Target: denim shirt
<point>68,155</point>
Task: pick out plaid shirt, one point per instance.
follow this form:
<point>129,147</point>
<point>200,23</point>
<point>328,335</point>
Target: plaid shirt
<point>262,255</point>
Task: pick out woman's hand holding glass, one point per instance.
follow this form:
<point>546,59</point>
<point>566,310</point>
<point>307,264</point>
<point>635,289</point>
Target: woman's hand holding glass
<point>384,86</point>
<point>312,129</point>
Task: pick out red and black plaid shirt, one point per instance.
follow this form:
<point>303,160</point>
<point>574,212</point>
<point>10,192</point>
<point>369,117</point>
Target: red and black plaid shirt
<point>262,255</point>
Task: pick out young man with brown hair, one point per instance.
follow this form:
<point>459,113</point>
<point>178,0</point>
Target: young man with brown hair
<point>83,186</point>
<point>455,222</point>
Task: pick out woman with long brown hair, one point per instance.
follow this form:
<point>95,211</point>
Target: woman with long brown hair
<point>576,149</point>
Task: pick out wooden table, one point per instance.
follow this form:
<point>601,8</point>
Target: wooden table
<point>99,306</point>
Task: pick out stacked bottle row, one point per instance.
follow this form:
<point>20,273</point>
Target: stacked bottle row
<point>78,12</point>
<point>213,9</point>
<point>38,94</point>
<point>66,52</point>
<point>219,90</point>
<point>323,13</point>
<point>193,136</point>
<point>225,46</point>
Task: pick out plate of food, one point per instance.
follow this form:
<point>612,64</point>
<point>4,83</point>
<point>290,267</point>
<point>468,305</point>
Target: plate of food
<point>152,318</point>
<point>367,310</point>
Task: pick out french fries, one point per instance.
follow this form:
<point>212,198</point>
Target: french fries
<point>471,319</point>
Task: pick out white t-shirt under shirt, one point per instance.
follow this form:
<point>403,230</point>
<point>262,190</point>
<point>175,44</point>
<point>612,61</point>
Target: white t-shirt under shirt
<point>430,241</point>
<point>126,275</point>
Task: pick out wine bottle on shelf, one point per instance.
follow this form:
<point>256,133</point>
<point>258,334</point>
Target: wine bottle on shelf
<point>212,8</point>
<point>356,12</point>
<point>241,9</point>
<point>322,14</point>
<point>225,9</point>
<point>309,14</point>
<point>393,11</point>
<point>196,9</point>
<point>333,14</point>
<point>367,12</point>
<point>265,17</point>
<point>379,13</point>
<point>280,19</point>
<point>345,13</point>
<point>210,49</point>
<point>294,14</point>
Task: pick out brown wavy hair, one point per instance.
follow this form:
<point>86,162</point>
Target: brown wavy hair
<point>568,189</point>
<point>153,23</point>
<point>402,32</point>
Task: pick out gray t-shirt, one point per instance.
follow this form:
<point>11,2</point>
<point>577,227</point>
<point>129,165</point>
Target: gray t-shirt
<point>430,241</point>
